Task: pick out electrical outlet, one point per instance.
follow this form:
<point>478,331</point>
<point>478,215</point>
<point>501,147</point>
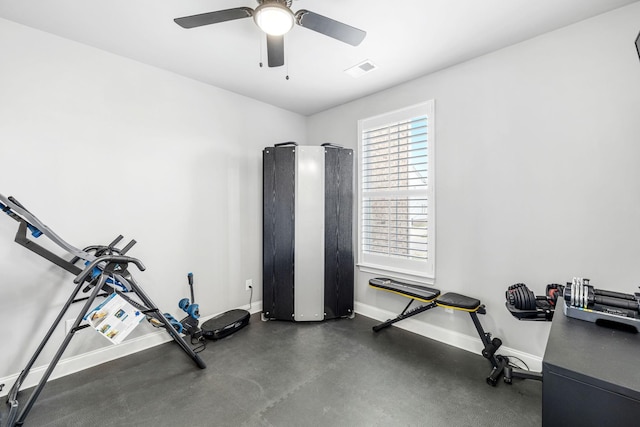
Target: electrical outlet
<point>448,310</point>
<point>248,284</point>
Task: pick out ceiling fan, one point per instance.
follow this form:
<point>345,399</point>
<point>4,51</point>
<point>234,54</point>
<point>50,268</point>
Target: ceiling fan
<point>275,18</point>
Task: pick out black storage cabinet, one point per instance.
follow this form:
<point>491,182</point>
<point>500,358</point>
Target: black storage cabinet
<point>591,375</point>
<point>307,232</point>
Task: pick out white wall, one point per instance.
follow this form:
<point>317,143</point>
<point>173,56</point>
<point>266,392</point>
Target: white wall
<point>537,171</point>
<point>96,145</point>
<point>537,177</point>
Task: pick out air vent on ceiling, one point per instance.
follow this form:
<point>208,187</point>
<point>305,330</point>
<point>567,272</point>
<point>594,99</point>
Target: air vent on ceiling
<point>361,69</point>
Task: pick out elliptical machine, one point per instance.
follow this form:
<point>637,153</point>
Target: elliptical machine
<point>106,269</point>
<point>189,325</point>
<point>190,322</point>
<point>213,329</point>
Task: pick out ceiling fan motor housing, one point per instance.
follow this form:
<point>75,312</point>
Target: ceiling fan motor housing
<point>287,3</point>
<point>274,17</point>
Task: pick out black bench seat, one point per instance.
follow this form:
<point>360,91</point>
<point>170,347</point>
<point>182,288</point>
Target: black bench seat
<point>458,302</point>
<point>418,292</point>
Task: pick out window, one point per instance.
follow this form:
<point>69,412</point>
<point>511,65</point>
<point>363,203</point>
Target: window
<point>396,193</point>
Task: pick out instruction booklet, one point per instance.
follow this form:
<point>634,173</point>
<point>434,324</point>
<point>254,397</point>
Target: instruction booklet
<point>115,318</point>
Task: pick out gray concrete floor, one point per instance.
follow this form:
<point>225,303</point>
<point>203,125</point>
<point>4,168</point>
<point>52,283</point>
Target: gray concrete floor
<point>334,373</point>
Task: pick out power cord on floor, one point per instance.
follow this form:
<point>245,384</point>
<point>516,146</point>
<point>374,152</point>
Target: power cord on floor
<point>513,365</point>
<point>202,344</point>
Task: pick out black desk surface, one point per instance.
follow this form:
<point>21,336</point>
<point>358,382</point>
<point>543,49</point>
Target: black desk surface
<point>598,355</point>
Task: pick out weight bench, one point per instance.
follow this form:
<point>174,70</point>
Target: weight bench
<point>431,297</point>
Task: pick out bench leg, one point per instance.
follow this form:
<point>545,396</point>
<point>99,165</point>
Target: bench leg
<point>498,363</point>
<point>404,315</point>
<point>511,373</point>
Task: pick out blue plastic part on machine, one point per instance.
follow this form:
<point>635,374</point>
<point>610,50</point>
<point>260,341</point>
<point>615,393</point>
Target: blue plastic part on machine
<point>194,311</point>
<point>110,281</point>
<point>191,309</point>
<point>35,232</point>
<point>172,320</point>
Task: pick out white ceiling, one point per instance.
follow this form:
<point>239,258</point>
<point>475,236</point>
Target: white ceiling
<point>405,39</point>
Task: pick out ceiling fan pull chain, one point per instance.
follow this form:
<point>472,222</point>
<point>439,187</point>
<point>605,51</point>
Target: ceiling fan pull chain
<point>286,54</point>
<point>261,54</point>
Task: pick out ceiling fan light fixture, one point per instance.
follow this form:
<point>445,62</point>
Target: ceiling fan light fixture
<point>274,19</point>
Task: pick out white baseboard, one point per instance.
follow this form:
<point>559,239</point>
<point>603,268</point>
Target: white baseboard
<point>87,360</point>
<point>456,339</point>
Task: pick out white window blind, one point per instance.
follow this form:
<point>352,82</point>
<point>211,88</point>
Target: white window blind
<point>396,191</point>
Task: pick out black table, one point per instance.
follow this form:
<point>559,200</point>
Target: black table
<point>591,375</point>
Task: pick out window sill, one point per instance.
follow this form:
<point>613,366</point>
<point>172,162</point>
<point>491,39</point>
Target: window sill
<point>383,271</point>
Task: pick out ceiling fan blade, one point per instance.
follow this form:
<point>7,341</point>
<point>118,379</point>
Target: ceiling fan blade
<point>214,17</point>
<point>329,27</point>
<point>275,50</point>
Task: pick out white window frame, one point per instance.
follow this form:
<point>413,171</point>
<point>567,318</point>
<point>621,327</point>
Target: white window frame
<point>415,270</point>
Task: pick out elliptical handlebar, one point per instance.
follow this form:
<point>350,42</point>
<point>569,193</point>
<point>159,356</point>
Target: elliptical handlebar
<point>107,259</point>
<point>190,279</point>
